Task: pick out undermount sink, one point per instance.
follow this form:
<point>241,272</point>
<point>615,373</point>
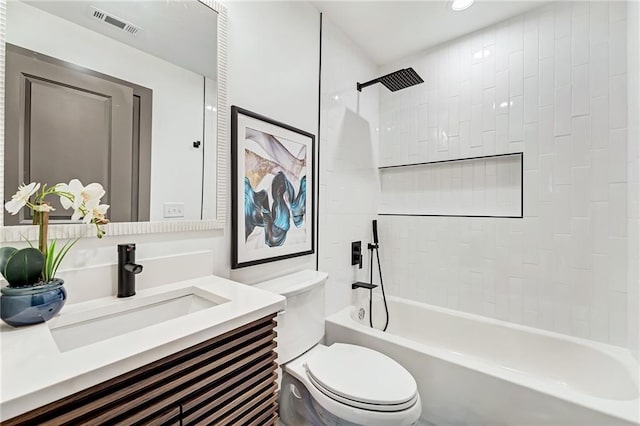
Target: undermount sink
<point>121,316</point>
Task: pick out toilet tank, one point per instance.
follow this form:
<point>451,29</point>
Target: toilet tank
<point>301,325</point>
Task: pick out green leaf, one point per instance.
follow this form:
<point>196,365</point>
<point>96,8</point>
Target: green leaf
<point>61,254</point>
<point>49,258</point>
<point>28,242</point>
<point>5,254</point>
<point>24,267</point>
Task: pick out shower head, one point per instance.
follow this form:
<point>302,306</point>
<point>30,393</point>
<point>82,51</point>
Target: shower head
<point>395,81</point>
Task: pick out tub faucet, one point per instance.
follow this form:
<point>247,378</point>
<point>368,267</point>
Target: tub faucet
<point>127,270</point>
<point>360,284</point>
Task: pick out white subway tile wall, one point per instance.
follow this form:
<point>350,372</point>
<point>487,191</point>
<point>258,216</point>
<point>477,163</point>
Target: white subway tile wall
<point>551,83</point>
<point>348,143</point>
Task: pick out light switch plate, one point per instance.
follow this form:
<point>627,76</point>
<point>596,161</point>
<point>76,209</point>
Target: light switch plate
<point>173,210</point>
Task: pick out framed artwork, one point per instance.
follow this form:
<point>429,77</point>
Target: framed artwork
<point>273,187</point>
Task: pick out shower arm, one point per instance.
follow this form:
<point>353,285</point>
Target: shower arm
<point>361,86</point>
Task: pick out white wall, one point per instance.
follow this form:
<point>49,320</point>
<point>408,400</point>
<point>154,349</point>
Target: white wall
<point>273,70</point>
<point>348,162</point>
<point>177,97</point>
<point>551,83</point>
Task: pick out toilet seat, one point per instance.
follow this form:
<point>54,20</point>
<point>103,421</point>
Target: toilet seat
<point>362,378</point>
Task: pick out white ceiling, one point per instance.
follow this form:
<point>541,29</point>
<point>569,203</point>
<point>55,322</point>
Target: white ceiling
<point>390,30</point>
<point>181,32</point>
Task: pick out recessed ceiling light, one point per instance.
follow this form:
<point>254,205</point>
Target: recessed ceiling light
<point>460,5</point>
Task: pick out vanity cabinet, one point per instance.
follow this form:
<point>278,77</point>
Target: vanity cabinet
<point>227,380</point>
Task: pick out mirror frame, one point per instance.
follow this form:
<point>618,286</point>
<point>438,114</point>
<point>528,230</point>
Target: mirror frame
<point>18,233</point>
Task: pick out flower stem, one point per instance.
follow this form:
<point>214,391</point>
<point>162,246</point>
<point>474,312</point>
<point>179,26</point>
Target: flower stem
<point>43,224</point>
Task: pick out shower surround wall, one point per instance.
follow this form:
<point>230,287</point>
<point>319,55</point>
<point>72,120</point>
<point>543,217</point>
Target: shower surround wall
<point>348,163</point>
<point>551,83</point>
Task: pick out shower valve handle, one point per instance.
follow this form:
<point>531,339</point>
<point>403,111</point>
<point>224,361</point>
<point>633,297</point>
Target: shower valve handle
<point>356,253</point>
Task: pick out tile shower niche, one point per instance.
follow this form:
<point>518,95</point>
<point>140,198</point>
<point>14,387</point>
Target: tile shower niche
<point>489,186</point>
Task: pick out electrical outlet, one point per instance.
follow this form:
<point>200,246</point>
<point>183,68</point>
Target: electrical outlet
<point>173,210</point>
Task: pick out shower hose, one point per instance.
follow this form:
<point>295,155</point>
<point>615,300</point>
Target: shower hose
<point>374,247</point>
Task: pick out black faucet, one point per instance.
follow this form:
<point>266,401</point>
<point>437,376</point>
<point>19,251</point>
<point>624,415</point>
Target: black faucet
<point>127,270</point>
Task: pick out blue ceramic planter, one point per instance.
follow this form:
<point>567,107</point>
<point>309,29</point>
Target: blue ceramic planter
<point>32,305</point>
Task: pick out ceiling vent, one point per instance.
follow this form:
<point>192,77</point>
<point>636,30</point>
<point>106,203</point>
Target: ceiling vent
<point>110,19</point>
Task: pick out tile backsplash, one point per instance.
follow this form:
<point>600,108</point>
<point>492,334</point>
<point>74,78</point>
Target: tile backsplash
<point>552,84</point>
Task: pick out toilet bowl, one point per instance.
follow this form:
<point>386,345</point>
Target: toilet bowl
<point>341,384</point>
<point>351,383</point>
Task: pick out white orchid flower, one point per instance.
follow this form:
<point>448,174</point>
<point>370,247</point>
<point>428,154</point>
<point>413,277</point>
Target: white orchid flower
<point>43,208</point>
<point>77,215</point>
<point>95,211</point>
<point>99,213</point>
<point>81,194</point>
<point>65,188</point>
<point>21,198</point>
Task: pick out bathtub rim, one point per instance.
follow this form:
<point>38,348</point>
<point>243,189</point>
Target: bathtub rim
<point>627,410</point>
<point>620,353</point>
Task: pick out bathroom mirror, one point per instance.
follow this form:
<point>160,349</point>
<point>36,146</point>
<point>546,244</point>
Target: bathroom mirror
<point>125,93</point>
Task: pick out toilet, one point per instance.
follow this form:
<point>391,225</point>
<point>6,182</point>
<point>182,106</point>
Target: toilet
<point>341,384</point>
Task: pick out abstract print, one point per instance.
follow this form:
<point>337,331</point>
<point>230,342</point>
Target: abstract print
<point>275,190</point>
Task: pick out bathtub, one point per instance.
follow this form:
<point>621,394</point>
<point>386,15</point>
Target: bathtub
<point>472,370</point>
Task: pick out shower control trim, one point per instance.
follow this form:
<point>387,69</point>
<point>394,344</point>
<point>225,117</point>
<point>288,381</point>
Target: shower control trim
<point>356,253</point>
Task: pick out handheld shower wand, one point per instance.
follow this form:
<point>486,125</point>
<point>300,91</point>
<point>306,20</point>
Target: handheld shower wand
<point>375,231</point>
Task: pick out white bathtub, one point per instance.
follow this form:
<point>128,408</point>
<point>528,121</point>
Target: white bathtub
<point>476,371</point>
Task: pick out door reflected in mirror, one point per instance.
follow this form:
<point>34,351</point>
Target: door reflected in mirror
<point>120,93</point>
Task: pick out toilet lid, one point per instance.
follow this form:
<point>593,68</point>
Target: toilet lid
<point>362,376</point>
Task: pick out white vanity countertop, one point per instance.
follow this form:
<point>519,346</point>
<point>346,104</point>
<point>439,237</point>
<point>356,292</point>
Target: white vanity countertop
<point>35,372</point>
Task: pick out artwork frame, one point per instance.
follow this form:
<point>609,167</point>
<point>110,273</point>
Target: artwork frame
<point>273,186</point>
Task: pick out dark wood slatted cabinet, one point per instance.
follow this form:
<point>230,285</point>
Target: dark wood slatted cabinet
<point>228,380</point>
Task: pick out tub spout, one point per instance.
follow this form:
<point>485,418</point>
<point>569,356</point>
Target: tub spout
<point>360,284</point>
